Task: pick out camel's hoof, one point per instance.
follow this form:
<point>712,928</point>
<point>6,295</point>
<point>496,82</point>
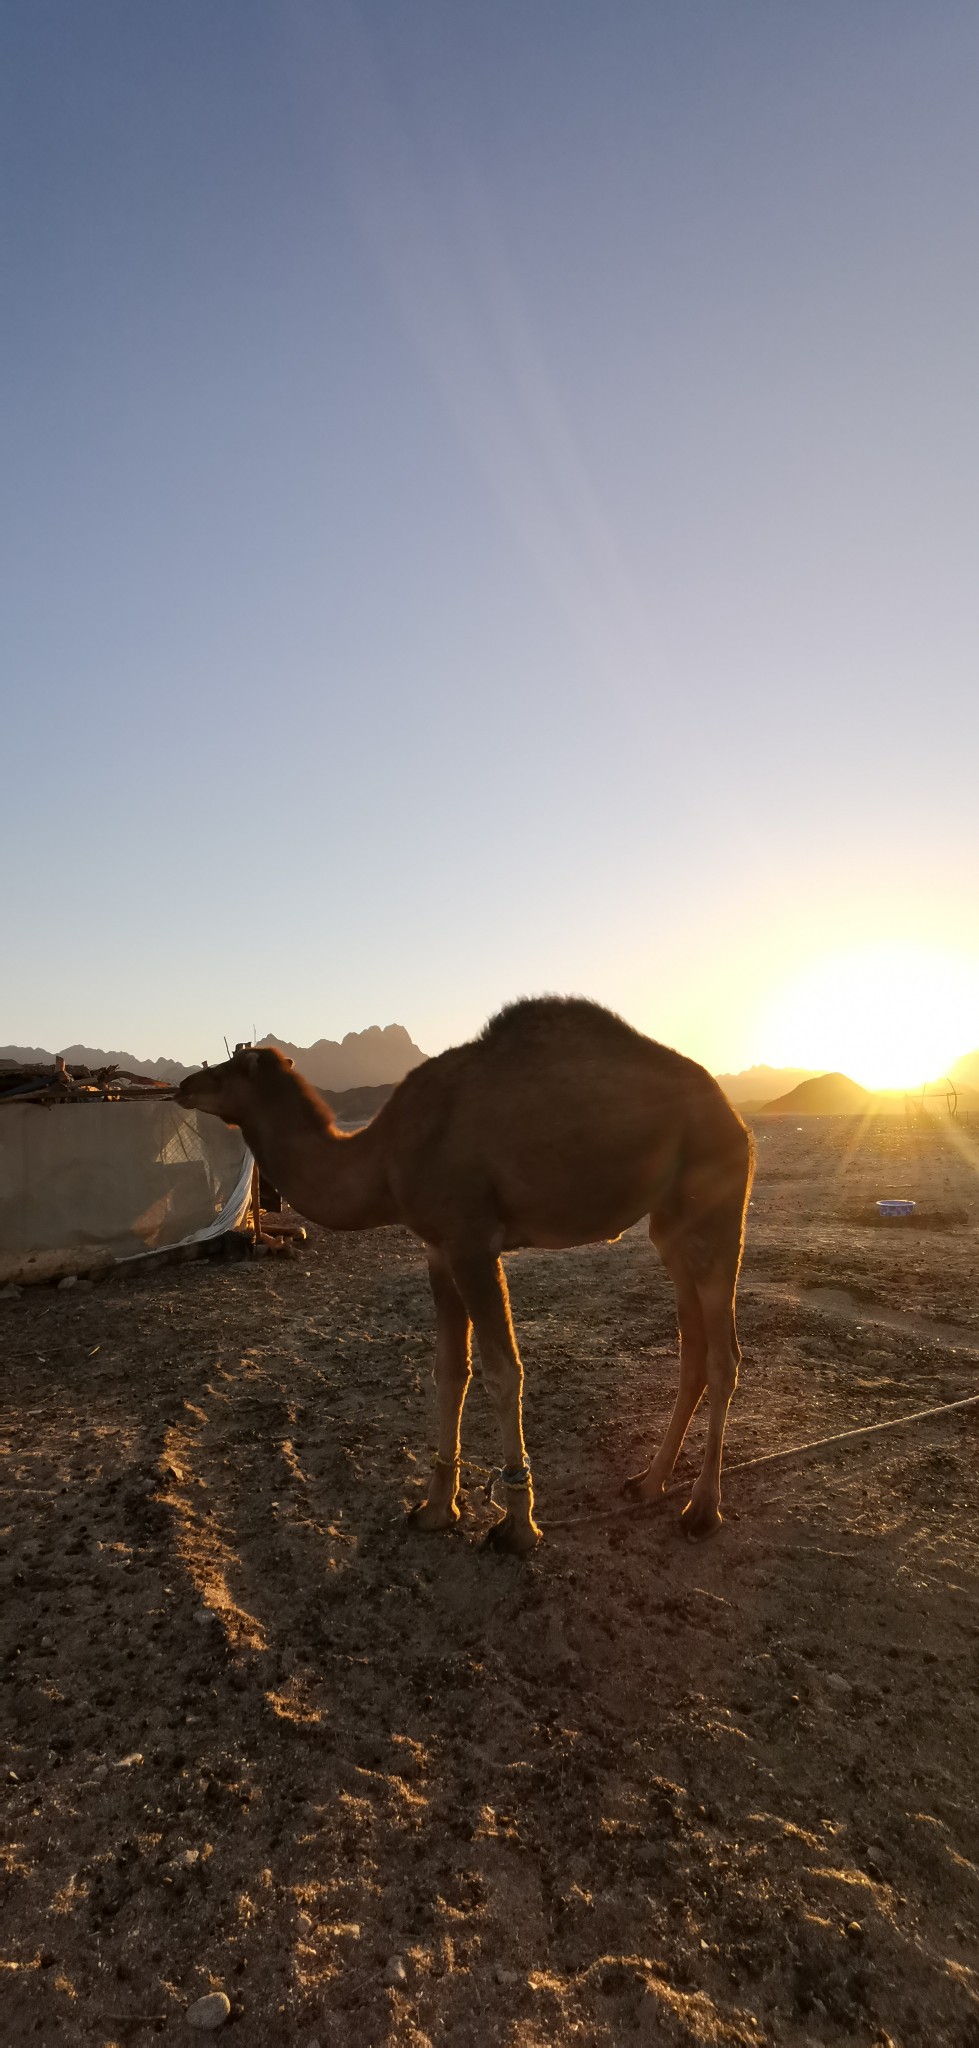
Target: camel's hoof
<point>700,1522</point>
<point>430,1518</point>
<point>514,1539</point>
<point>640,1489</point>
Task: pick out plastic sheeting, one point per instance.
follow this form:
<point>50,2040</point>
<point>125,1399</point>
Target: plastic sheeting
<point>88,1183</point>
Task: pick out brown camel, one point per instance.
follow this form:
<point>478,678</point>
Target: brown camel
<point>558,1126</point>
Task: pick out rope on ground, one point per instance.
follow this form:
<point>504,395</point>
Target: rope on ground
<point>822,1443</point>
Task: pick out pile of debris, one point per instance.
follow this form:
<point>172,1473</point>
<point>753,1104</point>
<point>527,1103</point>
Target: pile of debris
<point>61,1083</point>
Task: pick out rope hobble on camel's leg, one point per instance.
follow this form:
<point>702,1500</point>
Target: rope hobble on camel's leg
<point>517,1530</point>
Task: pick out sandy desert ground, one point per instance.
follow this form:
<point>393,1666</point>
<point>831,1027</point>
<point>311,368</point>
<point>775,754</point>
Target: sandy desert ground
<point>383,1788</point>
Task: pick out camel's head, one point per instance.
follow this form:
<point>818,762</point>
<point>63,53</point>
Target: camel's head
<point>232,1089</point>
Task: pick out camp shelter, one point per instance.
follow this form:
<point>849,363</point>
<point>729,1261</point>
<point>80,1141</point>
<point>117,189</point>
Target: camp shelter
<point>104,1176</point>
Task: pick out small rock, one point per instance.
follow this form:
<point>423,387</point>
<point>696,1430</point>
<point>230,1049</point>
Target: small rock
<point>70,1280</point>
<point>205,1616</point>
<point>210,2012</point>
<point>836,1682</point>
<point>10,1293</point>
<point>126,1763</point>
<point>395,1973</point>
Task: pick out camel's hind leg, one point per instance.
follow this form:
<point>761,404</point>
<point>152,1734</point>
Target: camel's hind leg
<point>702,1514</point>
<point>452,1375</point>
<point>652,1483</point>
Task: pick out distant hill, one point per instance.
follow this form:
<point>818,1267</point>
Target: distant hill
<point>363,1059</point>
<point>837,1095</point>
<point>92,1056</point>
<point>826,1095</point>
<point>965,1072</point>
<point>756,1085</point>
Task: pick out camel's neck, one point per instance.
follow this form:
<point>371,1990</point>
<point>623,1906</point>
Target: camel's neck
<point>331,1178</point>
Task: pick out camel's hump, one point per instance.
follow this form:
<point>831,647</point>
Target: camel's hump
<point>560,1016</point>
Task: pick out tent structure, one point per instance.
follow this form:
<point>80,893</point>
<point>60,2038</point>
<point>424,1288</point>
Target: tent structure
<point>91,1181</point>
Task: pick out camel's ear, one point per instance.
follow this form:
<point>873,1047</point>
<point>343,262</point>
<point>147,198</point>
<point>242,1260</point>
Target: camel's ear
<point>290,1063</point>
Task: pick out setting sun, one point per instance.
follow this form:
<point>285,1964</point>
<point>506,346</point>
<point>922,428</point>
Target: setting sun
<point>889,1016</point>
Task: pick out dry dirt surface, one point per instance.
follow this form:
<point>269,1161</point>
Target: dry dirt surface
<point>382,1788</point>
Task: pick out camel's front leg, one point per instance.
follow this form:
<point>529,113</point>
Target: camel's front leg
<point>482,1284</point>
<point>452,1376</point>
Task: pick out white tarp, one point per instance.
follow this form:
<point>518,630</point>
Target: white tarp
<point>85,1183</point>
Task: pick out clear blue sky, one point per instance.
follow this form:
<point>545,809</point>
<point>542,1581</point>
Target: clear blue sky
<point>490,505</point>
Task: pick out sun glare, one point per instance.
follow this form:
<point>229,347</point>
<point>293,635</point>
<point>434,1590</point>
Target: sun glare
<point>890,1016</point>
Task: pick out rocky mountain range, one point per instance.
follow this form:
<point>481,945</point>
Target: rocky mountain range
<point>379,1057</point>
<point>93,1056</point>
<point>363,1059</point>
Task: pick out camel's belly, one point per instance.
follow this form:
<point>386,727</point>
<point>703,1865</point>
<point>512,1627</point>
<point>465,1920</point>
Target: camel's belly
<point>589,1206</point>
<point>537,1200</point>
<point>557,1233</point>
<point>524,1242</point>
